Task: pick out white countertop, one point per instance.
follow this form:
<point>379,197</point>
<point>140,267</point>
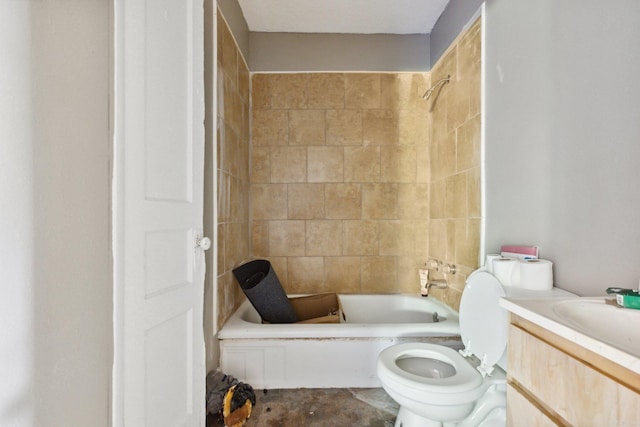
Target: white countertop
<point>540,311</point>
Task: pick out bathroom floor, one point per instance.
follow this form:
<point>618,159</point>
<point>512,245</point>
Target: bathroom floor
<point>333,407</point>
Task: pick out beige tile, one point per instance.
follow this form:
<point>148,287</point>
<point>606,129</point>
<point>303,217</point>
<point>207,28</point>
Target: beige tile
<point>224,196</point>
<point>468,144</point>
<point>403,90</point>
<point>380,201</point>
<point>396,238</point>
<point>220,27</point>
<point>259,239</point>
<point>261,90</point>
<point>222,233</point>
<point>229,55</point>
<point>227,146</point>
<point>343,201</point>
<point>398,163</point>
<point>268,201</point>
<point>260,165</point>
<point>467,235</point>
<point>325,164</point>
<point>325,90</point>
<point>475,89</point>
<point>438,118</point>
<point>413,127</point>
<point>270,127</point>
<point>324,238</point>
<point>306,275</point>
<point>443,156</point>
<point>413,201</point>
<point>344,127</point>
<point>423,163</point>
<point>244,155</point>
<point>306,127</point>
<point>243,80</point>
<point>362,90</point>
<point>226,283</point>
<point>455,205</point>
<point>289,91</point>
<point>408,278</point>
<point>342,274</point>
<point>362,164</point>
<point>446,65</point>
<point>437,199</point>
<point>458,101</point>
<point>239,200</point>
<point>220,134</point>
<point>379,275</point>
<point>236,244</point>
<point>422,238</point>
<point>234,107</point>
<point>441,239</point>
<point>469,51</point>
<point>380,127</point>
<point>361,237</point>
<point>474,193</point>
<point>287,238</point>
<point>305,201</point>
<point>288,164</point>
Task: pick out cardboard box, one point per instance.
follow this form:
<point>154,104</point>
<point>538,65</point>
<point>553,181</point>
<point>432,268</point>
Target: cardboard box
<point>318,308</point>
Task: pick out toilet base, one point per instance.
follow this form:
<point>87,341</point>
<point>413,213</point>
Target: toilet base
<point>489,411</point>
<point>407,418</point>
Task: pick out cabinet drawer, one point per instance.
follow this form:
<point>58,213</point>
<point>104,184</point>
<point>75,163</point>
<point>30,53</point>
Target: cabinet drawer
<point>522,413</point>
<point>578,394</point>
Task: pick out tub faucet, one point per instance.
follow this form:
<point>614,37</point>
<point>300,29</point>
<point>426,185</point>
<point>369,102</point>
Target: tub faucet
<point>437,284</point>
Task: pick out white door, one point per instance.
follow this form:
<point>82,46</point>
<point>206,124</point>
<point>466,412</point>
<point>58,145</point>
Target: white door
<point>159,374</point>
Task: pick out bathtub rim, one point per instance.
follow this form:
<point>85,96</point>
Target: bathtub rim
<point>236,328</point>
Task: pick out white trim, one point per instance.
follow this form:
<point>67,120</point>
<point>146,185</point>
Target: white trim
<point>117,213</point>
<point>483,113</point>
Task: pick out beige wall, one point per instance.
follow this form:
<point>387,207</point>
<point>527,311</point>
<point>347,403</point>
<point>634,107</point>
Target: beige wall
<point>455,210</point>
<point>233,168</point>
<point>340,179</point>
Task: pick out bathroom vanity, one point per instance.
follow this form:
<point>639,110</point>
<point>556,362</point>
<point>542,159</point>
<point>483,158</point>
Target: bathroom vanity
<point>572,362</point>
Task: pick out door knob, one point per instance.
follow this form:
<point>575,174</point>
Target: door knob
<point>203,243</point>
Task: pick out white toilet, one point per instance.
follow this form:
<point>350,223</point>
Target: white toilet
<point>436,385</point>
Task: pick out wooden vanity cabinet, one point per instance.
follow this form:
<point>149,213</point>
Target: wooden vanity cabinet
<point>553,381</point>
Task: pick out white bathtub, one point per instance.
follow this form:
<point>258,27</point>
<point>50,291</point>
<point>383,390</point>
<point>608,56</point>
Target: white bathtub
<point>331,355</point>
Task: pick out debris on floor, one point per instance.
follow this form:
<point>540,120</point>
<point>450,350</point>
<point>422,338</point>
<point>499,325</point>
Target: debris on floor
<point>230,398</point>
<point>238,402</point>
<point>323,408</point>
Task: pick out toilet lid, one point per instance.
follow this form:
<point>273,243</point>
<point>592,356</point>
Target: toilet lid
<point>483,323</point>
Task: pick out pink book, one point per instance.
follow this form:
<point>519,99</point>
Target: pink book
<point>522,252</point>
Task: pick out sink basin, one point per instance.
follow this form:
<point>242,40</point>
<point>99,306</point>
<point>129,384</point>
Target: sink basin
<point>618,327</point>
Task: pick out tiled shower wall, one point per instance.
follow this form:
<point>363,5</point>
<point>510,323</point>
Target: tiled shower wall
<point>340,179</point>
<point>455,205</point>
<point>233,168</point>
<point>356,180</point>
<point>352,187</point>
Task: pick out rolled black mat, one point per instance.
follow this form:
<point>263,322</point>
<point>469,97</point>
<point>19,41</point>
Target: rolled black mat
<point>260,284</point>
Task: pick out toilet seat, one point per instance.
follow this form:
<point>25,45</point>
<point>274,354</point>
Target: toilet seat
<point>466,378</point>
<point>483,323</point>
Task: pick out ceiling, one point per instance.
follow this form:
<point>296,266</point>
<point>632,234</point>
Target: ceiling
<point>343,16</point>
